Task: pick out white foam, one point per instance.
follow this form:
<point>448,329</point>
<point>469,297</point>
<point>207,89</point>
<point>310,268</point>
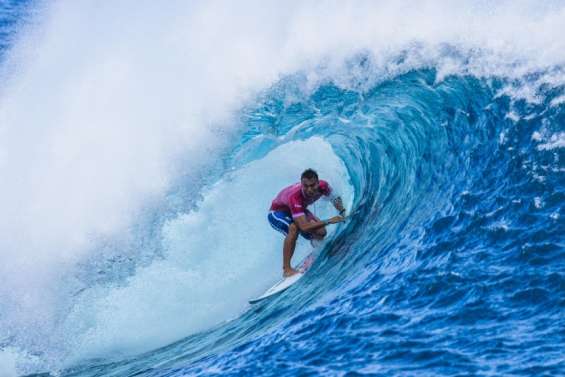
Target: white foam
<point>513,116</point>
<point>536,136</point>
<point>218,257</point>
<point>8,362</point>
<point>557,101</point>
<point>555,141</point>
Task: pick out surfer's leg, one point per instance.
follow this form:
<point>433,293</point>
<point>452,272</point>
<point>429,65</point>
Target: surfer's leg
<point>288,249</point>
<point>319,233</point>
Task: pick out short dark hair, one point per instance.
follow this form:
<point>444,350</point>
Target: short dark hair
<point>309,174</point>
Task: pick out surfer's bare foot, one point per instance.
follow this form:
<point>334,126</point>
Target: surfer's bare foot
<point>289,272</point>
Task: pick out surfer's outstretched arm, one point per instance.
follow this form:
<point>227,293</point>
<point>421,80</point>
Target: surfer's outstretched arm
<point>310,226</point>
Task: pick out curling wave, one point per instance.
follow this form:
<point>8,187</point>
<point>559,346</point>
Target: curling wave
<point>134,204</point>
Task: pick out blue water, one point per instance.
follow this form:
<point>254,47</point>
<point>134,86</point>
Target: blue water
<point>454,263</point>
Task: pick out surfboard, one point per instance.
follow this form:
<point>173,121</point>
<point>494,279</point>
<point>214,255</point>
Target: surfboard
<point>285,283</point>
<point>303,267</point>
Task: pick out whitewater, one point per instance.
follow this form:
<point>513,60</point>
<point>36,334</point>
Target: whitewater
<point>141,144</point>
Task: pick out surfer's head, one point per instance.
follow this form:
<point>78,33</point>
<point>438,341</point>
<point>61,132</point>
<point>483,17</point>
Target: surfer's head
<point>310,183</point>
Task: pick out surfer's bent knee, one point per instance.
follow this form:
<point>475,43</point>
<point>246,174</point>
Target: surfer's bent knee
<point>319,236</point>
<point>293,229</point>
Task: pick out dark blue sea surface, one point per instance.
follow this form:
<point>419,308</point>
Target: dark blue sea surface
<point>12,12</point>
<point>453,264</point>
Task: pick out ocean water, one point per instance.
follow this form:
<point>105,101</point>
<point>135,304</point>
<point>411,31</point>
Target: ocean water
<point>141,144</point>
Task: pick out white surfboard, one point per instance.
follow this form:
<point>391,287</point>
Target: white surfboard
<point>285,283</point>
<point>303,267</point>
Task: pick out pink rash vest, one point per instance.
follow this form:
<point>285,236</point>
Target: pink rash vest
<point>291,199</point>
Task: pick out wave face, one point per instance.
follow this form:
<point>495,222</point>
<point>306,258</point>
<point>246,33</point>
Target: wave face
<point>135,192</point>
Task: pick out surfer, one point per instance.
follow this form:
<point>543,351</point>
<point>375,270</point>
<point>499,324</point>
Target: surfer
<point>290,216</point>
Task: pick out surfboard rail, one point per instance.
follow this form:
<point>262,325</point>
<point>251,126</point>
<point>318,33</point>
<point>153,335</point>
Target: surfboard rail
<point>287,282</point>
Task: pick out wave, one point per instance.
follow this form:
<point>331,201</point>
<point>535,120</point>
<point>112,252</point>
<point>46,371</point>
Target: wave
<point>134,193</point>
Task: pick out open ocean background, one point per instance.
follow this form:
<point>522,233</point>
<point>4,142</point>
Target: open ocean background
<point>141,143</point>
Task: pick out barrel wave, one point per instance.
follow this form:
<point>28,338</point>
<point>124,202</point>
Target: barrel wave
<point>447,149</point>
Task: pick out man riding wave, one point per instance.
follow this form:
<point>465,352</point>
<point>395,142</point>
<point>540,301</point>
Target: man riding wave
<point>289,214</point>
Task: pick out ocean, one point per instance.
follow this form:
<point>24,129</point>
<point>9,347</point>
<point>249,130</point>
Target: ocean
<point>141,144</point>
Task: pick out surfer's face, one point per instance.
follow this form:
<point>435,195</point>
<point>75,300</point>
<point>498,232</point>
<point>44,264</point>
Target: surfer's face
<point>310,186</point>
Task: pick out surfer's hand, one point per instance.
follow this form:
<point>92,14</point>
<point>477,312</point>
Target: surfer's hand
<point>336,219</point>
